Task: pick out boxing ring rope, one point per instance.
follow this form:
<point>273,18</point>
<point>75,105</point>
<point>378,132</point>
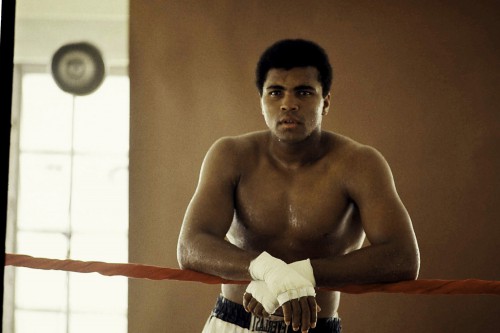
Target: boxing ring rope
<point>140,271</point>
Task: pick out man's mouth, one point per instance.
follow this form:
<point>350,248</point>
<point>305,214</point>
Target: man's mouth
<point>289,121</point>
<point>288,124</point>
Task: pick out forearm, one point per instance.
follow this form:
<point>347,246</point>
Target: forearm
<point>373,264</point>
<point>208,254</point>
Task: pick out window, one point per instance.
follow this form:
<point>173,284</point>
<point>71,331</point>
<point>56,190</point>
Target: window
<point>70,201</point>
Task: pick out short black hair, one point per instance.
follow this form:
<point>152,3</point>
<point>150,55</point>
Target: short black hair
<point>289,53</point>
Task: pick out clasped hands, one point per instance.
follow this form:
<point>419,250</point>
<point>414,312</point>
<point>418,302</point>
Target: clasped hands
<point>290,286</point>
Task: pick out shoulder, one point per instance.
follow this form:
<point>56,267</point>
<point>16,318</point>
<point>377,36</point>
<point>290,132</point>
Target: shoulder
<point>358,163</point>
<point>351,153</point>
<point>365,171</point>
<point>235,147</point>
<point>235,152</point>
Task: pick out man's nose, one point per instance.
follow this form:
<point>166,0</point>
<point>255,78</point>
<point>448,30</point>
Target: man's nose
<point>289,103</point>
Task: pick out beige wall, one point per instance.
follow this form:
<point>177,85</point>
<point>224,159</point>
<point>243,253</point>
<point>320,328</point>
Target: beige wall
<point>418,80</point>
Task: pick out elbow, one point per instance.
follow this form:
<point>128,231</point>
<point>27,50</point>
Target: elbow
<point>182,262</point>
<point>182,255</point>
<point>183,266</point>
<point>410,265</point>
<point>415,267</point>
<point>404,263</point>
<point>411,273</point>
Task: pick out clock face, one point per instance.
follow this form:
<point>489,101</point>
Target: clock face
<point>78,68</point>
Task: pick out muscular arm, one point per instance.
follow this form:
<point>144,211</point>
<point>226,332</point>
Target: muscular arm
<point>201,244</point>
<point>393,253</point>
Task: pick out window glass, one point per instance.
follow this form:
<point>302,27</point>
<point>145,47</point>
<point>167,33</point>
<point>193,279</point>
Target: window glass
<point>38,289</point>
<point>43,192</point>
<point>42,244</point>
<point>93,293</point>
<point>40,322</point>
<point>109,247</point>
<point>97,323</point>
<point>102,118</point>
<point>72,198</point>
<point>100,193</point>
<point>46,114</point>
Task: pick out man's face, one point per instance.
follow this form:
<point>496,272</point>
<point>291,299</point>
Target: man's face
<point>292,103</point>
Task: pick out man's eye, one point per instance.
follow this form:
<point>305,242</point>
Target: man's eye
<point>275,93</point>
<point>304,93</point>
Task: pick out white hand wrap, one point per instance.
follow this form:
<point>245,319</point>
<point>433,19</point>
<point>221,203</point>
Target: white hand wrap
<point>305,269</point>
<point>283,281</point>
<point>263,295</point>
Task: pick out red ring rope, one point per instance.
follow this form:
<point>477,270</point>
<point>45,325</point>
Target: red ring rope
<point>139,271</point>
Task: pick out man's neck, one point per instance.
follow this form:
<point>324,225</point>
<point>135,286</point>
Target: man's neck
<point>294,155</point>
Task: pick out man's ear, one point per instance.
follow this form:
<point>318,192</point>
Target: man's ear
<point>326,104</point>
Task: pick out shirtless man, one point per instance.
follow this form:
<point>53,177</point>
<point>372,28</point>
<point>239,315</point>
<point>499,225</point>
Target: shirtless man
<point>289,208</point>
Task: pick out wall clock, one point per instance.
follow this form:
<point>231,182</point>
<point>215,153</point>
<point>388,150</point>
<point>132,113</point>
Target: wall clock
<point>78,68</point>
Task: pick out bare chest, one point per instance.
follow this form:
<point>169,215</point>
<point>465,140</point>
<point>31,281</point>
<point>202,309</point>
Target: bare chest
<point>293,211</point>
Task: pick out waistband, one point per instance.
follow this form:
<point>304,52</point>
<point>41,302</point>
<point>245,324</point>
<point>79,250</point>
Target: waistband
<point>235,313</point>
